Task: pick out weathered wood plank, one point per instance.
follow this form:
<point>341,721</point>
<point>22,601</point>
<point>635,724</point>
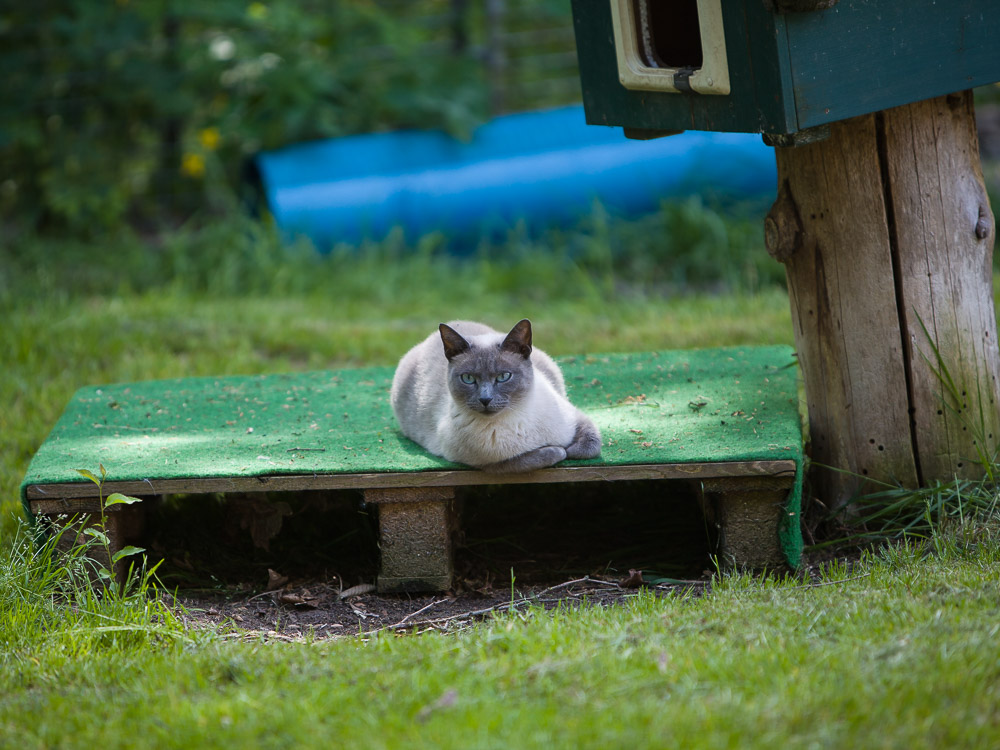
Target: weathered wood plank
<point>886,228</point>
<point>943,228</point>
<point>844,313</point>
<point>72,505</point>
<point>459,477</point>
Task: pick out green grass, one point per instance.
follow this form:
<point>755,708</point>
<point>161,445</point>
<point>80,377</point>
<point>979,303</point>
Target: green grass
<point>897,651</point>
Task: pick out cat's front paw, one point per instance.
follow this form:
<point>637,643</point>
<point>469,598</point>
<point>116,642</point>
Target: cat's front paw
<point>539,458</point>
<point>587,441</point>
<point>549,455</point>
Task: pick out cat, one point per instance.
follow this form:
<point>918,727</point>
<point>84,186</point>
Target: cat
<point>474,396</point>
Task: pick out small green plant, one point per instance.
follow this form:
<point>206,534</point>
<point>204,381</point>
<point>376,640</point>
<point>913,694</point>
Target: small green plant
<point>99,531</point>
<point>963,511</point>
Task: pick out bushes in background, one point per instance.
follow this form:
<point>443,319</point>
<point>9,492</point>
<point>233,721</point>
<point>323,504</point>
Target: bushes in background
<point>146,110</point>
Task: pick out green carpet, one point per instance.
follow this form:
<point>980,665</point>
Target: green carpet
<point>652,408</point>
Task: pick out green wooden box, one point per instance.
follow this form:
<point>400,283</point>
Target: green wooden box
<point>748,66</point>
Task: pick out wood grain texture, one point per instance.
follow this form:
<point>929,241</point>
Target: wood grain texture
<point>844,313</point>
<point>281,483</point>
<point>886,228</point>
<point>945,264</point>
<point>72,505</point>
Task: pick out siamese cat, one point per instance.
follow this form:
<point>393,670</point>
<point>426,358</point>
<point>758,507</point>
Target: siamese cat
<point>475,396</point>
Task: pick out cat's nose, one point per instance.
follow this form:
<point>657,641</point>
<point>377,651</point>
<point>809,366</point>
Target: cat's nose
<point>485,401</point>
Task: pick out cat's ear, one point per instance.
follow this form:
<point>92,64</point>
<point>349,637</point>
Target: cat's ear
<point>454,344</point>
<point>518,340</point>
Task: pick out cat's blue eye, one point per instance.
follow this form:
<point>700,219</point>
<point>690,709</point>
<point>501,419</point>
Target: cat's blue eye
<point>503,377</point>
<point>468,378</point>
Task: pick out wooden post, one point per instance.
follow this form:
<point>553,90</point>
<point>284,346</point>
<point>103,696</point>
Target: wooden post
<point>885,230</point>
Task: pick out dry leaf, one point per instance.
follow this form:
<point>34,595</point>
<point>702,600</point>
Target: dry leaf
<point>297,600</point>
<point>634,579</point>
<point>262,517</point>
<point>275,580</point>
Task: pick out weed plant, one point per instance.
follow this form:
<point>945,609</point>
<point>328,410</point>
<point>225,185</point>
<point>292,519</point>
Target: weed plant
<point>962,512</point>
<point>49,600</point>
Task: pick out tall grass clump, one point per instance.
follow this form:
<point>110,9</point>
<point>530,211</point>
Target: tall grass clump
<point>962,513</point>
<point>50,601</point>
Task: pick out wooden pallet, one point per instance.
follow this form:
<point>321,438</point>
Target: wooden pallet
<point>416,512</point>
<point>166,437</point>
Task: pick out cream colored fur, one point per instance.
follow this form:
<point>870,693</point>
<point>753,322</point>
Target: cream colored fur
<point>429,415</point>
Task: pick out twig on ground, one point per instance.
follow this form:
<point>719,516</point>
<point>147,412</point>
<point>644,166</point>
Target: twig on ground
<point>831,583</point>
<point>678,582</point>
<point>422,609</point>
<point>585,579</point>
<point>359,590</point>
<point>535,598</point>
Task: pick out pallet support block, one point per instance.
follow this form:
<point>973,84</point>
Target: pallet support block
<point>415,538</point>
<point>748,512</point>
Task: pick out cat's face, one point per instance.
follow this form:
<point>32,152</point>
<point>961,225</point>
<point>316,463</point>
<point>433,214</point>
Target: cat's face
<point>487,380</point>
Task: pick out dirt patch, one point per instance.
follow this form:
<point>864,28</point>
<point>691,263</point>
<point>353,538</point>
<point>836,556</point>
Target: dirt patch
<point>317,609</point>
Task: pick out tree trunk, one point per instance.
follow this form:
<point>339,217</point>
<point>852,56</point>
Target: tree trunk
<point>887,236</point>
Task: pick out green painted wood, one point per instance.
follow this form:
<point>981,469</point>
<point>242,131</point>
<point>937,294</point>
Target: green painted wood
<point>756,104</point>
<point>863,56</point>
<point>794,71</point>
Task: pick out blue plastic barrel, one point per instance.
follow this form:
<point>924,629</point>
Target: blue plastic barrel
<point>541,168</point>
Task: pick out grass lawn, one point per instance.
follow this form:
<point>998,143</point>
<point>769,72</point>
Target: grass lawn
<point>896,650</point>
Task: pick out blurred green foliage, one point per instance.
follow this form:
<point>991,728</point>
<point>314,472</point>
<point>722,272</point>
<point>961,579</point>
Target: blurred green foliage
<point>146,110</point>
<point>684,248</point>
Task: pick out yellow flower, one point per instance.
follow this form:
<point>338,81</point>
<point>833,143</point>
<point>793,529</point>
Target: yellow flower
<point>209,138</point>
<point>193,165</point>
